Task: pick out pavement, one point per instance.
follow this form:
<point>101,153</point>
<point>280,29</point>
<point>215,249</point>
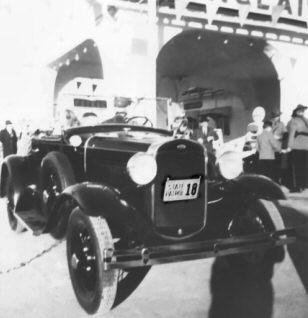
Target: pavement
<point>202,288</point>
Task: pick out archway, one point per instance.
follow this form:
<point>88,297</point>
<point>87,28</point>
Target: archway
<point>84,62</point>
<point>235,67</point>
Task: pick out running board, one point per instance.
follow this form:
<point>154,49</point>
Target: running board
<point>32,220</point>
<point>154,255</point>
<point>28,211</point>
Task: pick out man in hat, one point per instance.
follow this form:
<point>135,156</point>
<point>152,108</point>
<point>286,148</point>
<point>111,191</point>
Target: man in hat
<point>279,129</point>
<point>205,135</point>
<point>298,144</point>
<point>8,139</point>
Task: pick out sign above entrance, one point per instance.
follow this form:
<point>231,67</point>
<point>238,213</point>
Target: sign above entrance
<point>285,20</point>
<point>282,20</point>
<point>289,9</point>
<point>292,9</point>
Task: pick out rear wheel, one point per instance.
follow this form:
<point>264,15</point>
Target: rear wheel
<point>56,175</point>
<point>87,238</point>
<point>260,216</point>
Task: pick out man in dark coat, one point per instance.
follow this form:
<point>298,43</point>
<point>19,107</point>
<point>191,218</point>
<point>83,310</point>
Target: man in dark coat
<point>8,139</point>
<point>205,135</point>
<point>298,144</point>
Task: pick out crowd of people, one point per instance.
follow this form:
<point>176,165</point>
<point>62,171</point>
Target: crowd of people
<point>283,149</point>
<point>198,129</point>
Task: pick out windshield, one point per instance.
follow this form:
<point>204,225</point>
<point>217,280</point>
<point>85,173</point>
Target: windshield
<point>120,131</point>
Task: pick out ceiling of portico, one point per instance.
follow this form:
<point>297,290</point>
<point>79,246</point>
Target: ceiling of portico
<point>219,61</point>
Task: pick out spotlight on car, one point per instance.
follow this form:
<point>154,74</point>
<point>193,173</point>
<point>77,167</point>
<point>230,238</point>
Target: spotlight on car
<point>142,168</point>
<point>230,164</point>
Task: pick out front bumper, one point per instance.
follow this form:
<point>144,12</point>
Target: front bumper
<point>147,256</point>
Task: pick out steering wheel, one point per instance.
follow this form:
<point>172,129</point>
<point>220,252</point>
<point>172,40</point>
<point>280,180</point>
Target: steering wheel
<point>145,121</point>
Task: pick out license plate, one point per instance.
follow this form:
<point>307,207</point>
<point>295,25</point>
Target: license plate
<point>178,190</point>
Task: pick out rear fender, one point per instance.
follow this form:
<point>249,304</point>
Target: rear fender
<point>18,169</point>
<point>101,200</point>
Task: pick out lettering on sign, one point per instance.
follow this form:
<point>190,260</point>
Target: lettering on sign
<point>293,9</point>
<point>176,190</point>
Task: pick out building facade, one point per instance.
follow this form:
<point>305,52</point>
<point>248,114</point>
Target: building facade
<point>217,58</point>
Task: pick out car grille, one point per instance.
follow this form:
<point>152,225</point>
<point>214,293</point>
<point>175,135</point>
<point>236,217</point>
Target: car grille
<point>179,159</point>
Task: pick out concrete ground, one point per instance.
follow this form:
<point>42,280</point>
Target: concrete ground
<point>203,288</point>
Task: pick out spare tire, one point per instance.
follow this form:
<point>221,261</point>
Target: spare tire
<point>56,174</point>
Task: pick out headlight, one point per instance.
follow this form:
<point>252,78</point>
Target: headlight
<point>142,168</point>
<point>230,164</point>
<point>75,141</point>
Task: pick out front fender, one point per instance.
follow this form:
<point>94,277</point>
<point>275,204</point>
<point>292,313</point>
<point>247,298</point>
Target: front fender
<point>101,200</point>
<point>260,186</point>
<point>239,194</point>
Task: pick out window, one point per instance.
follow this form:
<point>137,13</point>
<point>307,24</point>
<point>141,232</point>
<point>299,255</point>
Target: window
<point>79,102</point>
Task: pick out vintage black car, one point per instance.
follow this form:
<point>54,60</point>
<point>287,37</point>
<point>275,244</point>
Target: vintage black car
<point>127,197</point>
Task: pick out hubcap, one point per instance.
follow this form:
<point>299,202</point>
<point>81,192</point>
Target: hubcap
<point>74,261</point>
<point>51,188</point>
<point>83,259</point>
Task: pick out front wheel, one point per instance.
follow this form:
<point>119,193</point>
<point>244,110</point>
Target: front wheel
<point>260,216</point>
<point>87,238</point>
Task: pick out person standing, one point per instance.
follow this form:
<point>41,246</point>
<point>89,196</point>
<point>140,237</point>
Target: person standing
<point>205,135</point>
<point>8,139</point>
<point>254,129</point>
<point>298,145</point>
<point>267,145</point>
<point>279,130</point>
<point>181,128</point>
<point>71,119</point>
<point>279,127</point>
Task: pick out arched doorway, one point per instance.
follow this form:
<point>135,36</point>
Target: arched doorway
<point>233,71</point>
<point>79,73</point>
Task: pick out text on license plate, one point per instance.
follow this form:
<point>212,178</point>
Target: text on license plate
<point>186,189</point>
